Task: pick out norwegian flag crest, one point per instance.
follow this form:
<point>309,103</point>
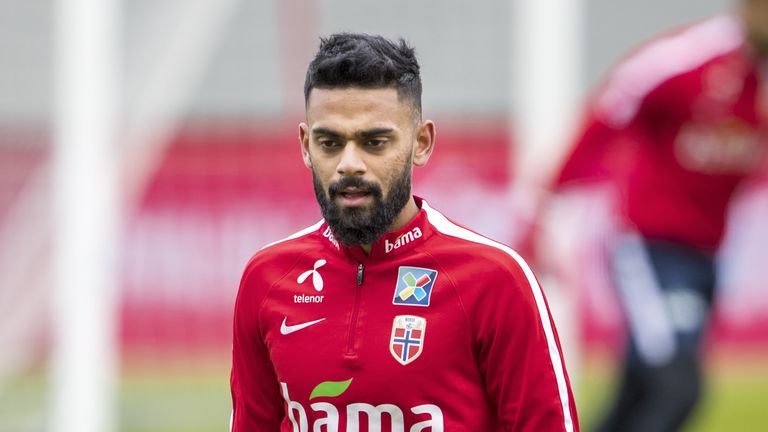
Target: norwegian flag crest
<point>407,341</point>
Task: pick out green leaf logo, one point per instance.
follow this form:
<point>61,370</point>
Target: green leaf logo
<point>330,388</point>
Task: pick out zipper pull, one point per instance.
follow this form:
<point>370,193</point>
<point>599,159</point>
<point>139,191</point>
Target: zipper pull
<point>359,274</point>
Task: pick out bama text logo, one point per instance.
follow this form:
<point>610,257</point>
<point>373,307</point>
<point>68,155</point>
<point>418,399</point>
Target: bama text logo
<point>326,414</point>
<point>329,235</point>
<point>414,286</point>
<point>402,240</point>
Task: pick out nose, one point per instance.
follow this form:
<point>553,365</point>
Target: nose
<point>351,161</point>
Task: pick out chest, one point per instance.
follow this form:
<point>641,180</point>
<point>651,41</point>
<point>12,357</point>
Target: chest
<point>719,126</point>
<point>389,335</point>
<point>347,317</point>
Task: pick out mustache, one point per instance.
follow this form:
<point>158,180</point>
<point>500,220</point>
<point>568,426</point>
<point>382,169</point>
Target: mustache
<point>336,188</point>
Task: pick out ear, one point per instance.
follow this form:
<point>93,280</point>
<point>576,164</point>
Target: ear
<point>304,140</point>
<point>425,143</point>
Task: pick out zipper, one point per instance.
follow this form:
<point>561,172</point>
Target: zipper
<point>355,310</point>
<point>360,274</point>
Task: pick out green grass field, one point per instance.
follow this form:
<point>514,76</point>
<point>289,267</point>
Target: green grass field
<point>179,397</point>
<point>735,398</point>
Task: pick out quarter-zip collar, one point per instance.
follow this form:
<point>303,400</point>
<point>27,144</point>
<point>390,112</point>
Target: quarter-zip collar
<point>391,244</point>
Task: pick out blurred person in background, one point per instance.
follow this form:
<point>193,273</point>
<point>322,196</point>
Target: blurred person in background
<point>677,126</point>
<point>386,312</point>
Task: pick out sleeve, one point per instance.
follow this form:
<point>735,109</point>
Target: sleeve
<point>520,357</point>
<point>621,116</point>
<point>604,148</point>
<point>256,401</point>
<point>596,154</point>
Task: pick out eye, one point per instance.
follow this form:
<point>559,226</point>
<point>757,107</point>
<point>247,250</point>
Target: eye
<point>376,142</point>
<point>327,143</point>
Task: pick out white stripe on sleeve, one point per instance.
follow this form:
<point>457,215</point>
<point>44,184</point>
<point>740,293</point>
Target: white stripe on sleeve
<point>447,227</point>
<point>657,62</point>
<point>305,231</point>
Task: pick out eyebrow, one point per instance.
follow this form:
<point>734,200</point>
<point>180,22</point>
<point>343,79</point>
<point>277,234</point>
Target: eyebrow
<point>326,132</point>
<point>364,134</point>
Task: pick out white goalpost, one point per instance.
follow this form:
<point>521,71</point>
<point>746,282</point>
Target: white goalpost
<point>101,161</point>
<point>547,57</point>
<point>84,217</point>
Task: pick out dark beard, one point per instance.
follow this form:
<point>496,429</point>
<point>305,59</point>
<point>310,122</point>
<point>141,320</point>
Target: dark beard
<point>363,225</point>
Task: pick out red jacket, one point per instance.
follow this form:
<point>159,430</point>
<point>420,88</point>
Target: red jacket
<point>437,329</point>
<point>679,125</point>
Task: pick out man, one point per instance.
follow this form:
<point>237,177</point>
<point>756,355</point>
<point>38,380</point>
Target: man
<point>678,125</point>
<point>385,315</point>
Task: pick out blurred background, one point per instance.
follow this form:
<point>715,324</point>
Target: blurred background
<point>194,164</point>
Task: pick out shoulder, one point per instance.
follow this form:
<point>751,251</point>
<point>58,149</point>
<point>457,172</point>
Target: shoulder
<point>462,248</point>
<point>276,259</point>
<point>669,56</point>
<point>488,277</point>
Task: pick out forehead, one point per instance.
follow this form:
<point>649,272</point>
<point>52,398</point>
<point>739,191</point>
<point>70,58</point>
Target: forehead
<point>344,108</point>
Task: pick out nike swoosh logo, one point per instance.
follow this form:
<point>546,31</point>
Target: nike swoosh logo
<point>288,329</point>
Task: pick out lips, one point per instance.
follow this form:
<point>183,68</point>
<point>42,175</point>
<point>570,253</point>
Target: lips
<point>353,197</point>
<point>354,192</point>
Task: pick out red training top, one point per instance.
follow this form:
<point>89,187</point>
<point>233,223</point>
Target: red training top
<point>679,124</point>
<point>437,329</point>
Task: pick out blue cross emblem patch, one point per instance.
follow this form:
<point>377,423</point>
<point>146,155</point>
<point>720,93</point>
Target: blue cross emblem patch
<point>414,286</point>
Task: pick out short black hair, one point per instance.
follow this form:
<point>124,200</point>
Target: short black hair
<point>366,61</point>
